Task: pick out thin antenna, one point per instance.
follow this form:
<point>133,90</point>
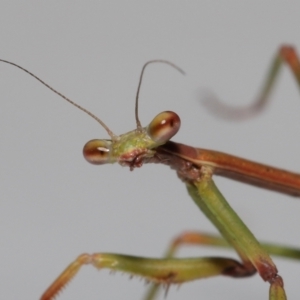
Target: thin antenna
<point>138,123</point>
<point>111,134</point>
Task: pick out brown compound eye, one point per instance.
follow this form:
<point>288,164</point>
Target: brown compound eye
<point>97,152</point>
<point>164,126</point>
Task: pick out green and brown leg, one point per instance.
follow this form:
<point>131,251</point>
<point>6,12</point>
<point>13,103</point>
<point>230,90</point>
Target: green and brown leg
<point>161,271</point>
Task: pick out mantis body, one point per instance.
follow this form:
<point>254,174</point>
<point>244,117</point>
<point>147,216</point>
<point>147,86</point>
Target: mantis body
<point>195,167</point>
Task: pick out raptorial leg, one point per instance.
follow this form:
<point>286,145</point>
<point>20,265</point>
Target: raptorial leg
<point>162,271</point>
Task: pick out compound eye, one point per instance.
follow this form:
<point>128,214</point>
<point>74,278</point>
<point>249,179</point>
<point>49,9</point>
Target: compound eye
<point>97,151</point>
<point>164,126</point>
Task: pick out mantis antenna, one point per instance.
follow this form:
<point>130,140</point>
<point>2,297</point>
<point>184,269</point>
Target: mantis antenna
<point>138,123</point>
<point>110,133</point>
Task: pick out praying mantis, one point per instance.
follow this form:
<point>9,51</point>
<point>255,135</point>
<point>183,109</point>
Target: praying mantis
<point>195,167</point>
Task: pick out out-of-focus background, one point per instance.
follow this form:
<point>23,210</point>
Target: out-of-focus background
<point>54,206</point>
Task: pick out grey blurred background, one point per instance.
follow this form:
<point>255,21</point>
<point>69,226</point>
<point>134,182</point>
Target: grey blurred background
<point>55,206</point>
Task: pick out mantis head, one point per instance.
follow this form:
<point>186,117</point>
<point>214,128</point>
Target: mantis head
<point>137,143</point>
